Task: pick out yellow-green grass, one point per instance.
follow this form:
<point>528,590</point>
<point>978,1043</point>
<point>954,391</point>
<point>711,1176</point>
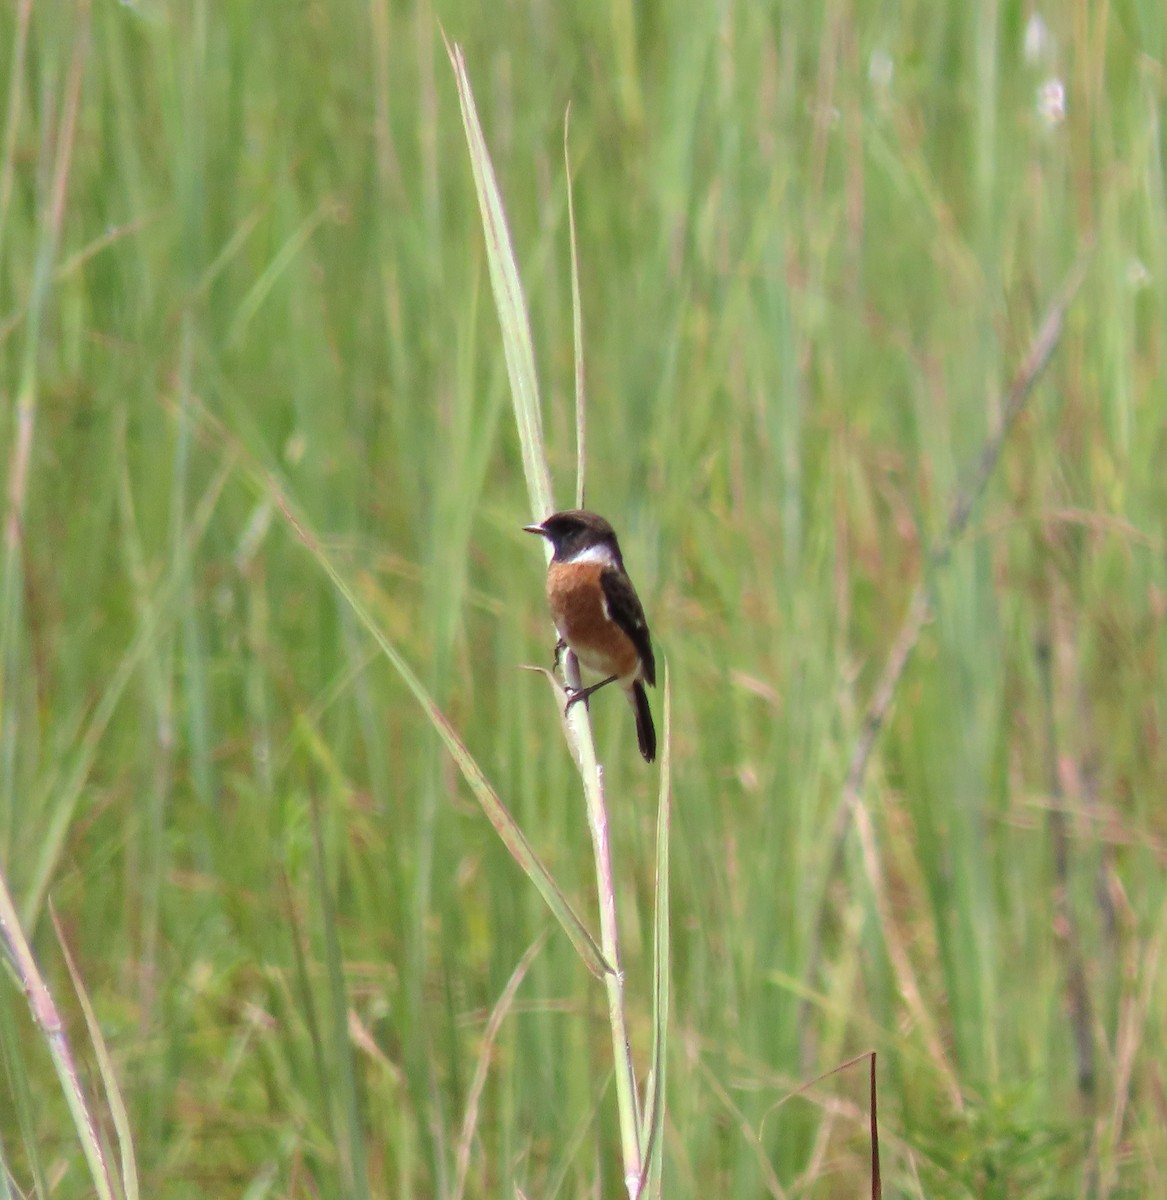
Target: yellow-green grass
<point>241,259</point>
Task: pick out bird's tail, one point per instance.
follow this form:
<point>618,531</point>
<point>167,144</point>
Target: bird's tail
<point>645,730</point>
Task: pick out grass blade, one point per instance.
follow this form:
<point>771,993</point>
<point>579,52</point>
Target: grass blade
<point>654,1105</point>
<point>496,812</point>
<point>508,298</point>
<point>48,1021</point>
<point>113,1092</point>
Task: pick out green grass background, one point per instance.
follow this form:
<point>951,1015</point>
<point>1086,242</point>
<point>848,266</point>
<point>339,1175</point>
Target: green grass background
<point>240,242</point>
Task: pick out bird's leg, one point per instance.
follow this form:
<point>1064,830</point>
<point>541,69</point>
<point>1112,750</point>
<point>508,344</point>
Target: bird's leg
<point>560,646</point>
<point>574,696</point>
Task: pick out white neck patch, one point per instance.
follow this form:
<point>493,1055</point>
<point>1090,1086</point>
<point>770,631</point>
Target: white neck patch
<point>598,553</point>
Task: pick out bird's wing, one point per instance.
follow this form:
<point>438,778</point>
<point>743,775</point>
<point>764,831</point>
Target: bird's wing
<point>625,609</point>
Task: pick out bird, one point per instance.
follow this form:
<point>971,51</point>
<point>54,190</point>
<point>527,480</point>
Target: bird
<point>598,613</point>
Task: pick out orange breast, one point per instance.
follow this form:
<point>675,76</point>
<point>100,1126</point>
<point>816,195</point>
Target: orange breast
<point>577,608</point>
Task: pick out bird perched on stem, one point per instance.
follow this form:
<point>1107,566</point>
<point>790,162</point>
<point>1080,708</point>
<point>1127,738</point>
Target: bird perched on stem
<point>598,613</point>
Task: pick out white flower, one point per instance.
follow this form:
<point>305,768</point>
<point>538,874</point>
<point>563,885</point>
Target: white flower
<point>1137,275</point>
<point>880,70</point>
<point>1038,45</point>
<point>1051,102</point>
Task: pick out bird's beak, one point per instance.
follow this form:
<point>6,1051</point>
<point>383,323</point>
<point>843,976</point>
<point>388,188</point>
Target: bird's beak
<point>535,529</point>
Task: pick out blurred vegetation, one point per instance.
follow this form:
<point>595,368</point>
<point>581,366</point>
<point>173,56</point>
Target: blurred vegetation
<point>240,241</point>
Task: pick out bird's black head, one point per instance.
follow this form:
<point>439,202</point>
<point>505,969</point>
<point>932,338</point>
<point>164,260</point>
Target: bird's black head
<point>576,532</point>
